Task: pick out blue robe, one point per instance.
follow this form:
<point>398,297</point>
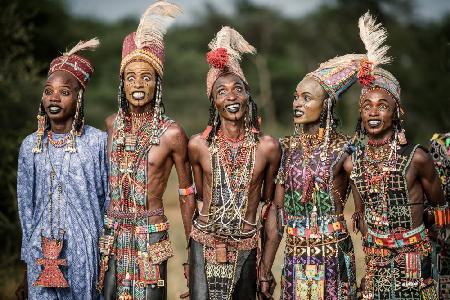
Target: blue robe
<point>84,198</point>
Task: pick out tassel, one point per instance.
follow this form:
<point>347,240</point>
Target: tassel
<point>39,134</point>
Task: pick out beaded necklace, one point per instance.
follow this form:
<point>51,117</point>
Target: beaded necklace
<point>232,165</point>
<point>60,142</point>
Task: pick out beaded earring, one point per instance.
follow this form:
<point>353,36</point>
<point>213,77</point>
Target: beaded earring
<point>42,120</point>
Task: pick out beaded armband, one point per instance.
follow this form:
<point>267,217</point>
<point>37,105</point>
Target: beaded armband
<point>187,191</point>
<point>441,215</point>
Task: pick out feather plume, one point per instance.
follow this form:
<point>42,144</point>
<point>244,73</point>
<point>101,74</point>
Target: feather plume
<point>373,36</point>
<point>154,23</point>
<point>233,41</point>
<point>92,44</point>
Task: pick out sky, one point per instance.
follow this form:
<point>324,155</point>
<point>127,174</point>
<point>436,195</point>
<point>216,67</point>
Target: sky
<point>112,10</point>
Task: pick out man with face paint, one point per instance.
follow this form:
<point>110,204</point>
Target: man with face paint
<point>390,180</point>
<point>144,144</point>
<point>234,166</point>
<point>62,187</point>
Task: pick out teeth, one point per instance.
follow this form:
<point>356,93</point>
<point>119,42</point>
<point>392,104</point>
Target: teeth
<point>138,95</point>
<point>233,108</point>
<point>374,123</point>
<point>54,109</point>
<point>298,113</point>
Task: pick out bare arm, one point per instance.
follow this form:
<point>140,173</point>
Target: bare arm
<point>179,143</point>
<point>358,215</point>
<point>272,225</point>
<point>428,178</point>
<point>109,121</point>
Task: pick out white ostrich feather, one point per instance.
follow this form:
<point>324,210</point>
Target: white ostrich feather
<point>373,36</point>
<point>154,23</point>
<point>92,44</point>
<point>233,41</point>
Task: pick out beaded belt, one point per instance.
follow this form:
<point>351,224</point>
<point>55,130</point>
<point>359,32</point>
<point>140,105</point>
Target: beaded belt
<point>135,215</point>
<point>152,228</point>
<point>210,240</point>
<point>336,227</point>
<point>396,240</point>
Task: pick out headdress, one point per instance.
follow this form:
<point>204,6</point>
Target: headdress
<point>147,42</point>
<point>82,69</point>
<point>225,55</point>
<point>338,74</point>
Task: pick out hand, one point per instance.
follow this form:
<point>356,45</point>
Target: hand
<point>186,273</point>
<point>185,295</point>
<point>267,287</point>
<point>22,289</point>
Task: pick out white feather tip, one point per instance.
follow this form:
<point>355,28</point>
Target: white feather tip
<point>92,44</point>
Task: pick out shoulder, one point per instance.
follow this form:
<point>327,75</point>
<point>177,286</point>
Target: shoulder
<point>28,144</point>
<point>94,136</point>
<point>197,142</point>
<point>270,146</point>
<point>109,121</point>
<point>421,157</point>
<point>174,134</point>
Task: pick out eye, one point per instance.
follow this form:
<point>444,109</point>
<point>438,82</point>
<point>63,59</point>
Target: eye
<point>366,107</point>
<point>238,89</point>
<point>221,92</point>
<point>65,93</point>
<point>130,78</point>
<point>383,107</point>
<point>307,98</point>
<point>48,92</point>
<point>146,78</point>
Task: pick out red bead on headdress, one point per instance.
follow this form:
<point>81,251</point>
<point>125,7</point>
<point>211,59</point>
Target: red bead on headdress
<point>217,58</point>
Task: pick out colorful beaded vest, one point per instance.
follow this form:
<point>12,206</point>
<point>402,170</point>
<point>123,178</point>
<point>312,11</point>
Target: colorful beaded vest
<point>397,254</point>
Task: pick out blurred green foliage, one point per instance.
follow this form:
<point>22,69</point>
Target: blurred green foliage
<point>32,33</point>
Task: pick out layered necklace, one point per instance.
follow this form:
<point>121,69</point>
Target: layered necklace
<point>59,143</point>
<point>379,159</point>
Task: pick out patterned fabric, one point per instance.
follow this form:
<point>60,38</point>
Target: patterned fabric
<point>400,269</point>
<point>84,179</point>
<point>319,259</point>
<point>336,79</point>
<point>440,238</point>
<point>80,67</point>
<point>127,239</point>
<point>385,80</point>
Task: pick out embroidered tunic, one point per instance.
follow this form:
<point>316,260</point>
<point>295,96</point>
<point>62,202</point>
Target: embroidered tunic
<point>397,255</point>
<point>319,257</point>
<point>84,180</point>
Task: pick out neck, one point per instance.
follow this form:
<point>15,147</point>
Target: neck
<point>140,109</point>
<point>380,139</point>
<point>232,129</point>
<point>61,126</point>
<point>311,128</point>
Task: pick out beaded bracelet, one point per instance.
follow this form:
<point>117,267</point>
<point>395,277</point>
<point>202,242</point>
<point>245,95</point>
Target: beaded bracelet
<point>187,191</point>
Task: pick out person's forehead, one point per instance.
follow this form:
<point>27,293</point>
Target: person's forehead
<point>378,96</point>
<point>308,84</point>
<point>139,66</point>
<point>228,79</point>
<point>62,77</point>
